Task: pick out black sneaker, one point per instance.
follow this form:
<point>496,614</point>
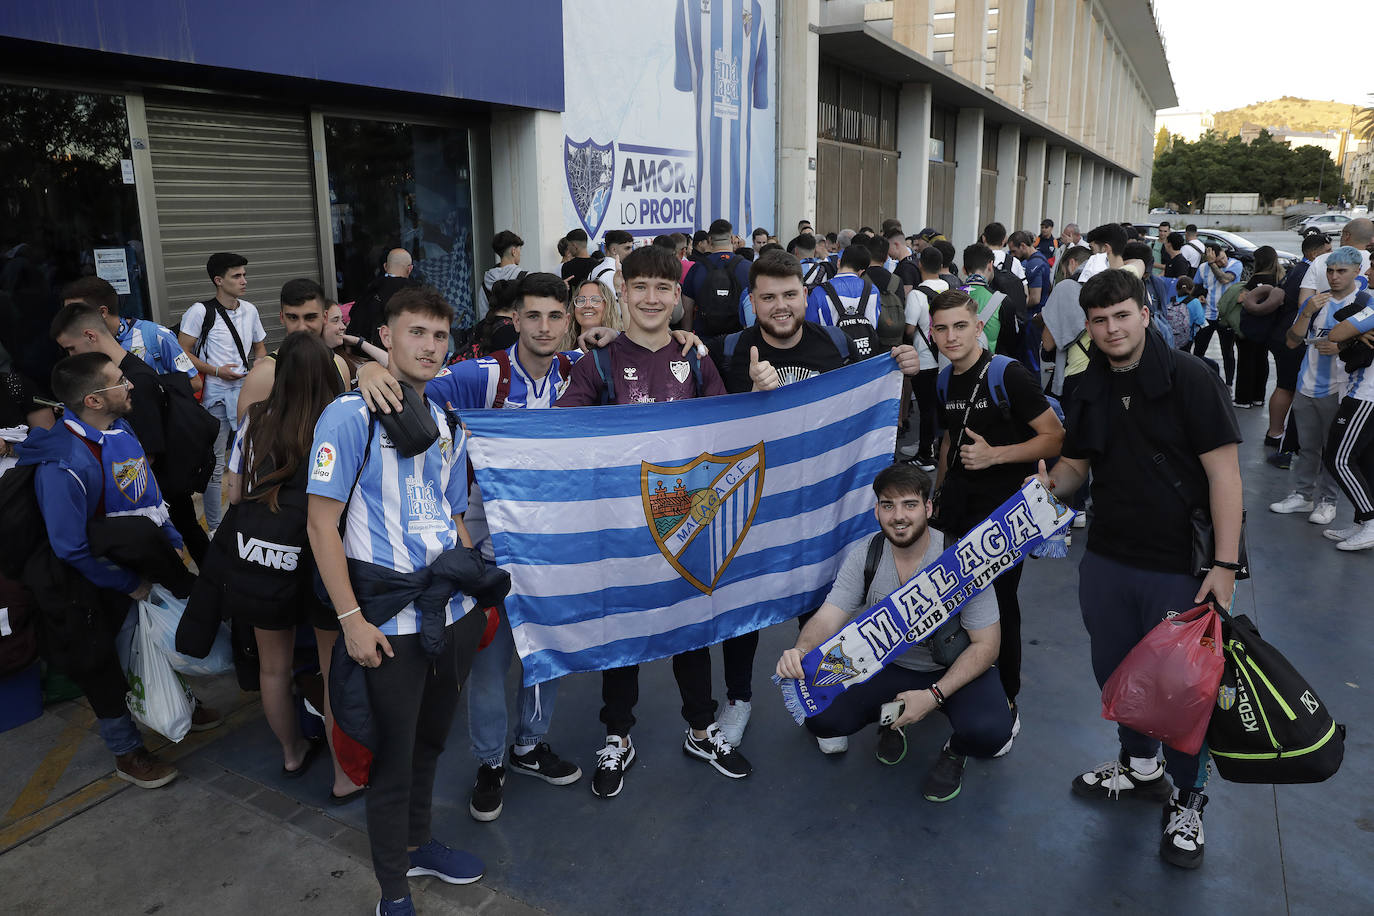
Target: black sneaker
<point>485,804</point>
<point>1116,779</point>
<point>718,752</point>
<point>945,778</point>
<point>1181,844</point>
<point>611,763</point>
<point>891,745</point>
<point>544,764</point>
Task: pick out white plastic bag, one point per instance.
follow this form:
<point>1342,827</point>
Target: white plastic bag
<point>157,697</point>
<point>160,613</point>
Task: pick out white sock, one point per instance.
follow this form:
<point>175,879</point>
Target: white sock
<point>1144,765</point>
<point>522,749</point>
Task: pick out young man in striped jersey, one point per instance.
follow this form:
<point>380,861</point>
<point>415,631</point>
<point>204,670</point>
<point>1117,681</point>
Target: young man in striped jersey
<point>148,340</point>
<point>1350,447</point>
<point>402,513</point>
<point>531,374</point>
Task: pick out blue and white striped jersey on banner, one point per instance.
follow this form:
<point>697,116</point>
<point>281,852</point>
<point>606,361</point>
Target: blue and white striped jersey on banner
<point>637,532</point>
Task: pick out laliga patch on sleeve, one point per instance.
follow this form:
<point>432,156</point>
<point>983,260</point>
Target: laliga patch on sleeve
<point>324,463</point>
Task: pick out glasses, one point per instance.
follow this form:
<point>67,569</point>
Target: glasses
<point>122,383</point>
<point>589,300</point>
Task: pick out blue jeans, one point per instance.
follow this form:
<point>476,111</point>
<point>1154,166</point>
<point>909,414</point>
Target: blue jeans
<point>486,688</point>
<point>223,411</point>
<point>120,735</point>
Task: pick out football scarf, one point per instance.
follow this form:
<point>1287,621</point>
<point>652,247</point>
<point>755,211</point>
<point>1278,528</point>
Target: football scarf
<point>915,610</point>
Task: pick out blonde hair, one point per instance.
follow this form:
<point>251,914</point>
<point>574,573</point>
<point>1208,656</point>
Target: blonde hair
<point>610,315</point>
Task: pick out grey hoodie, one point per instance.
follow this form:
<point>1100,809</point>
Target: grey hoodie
<point>490,279</point>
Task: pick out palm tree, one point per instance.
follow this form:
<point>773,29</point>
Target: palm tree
<point>1362,124</point>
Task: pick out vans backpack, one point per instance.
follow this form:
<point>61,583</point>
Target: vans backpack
<point>718,296</point>
<point>852,320</point>
<point>891,327</point>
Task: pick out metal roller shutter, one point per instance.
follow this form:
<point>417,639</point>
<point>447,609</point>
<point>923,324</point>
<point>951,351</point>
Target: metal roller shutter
<point>233,180</point>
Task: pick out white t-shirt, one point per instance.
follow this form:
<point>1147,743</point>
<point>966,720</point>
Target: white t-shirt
<point>1094,265</point>
<point>1193,251</point>
<point>1001,254</point>
<point>219,346</point>
<point>918,316</point>
<point>1315,278</point>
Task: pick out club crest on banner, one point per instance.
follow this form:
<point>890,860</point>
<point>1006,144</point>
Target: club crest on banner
<point>590,170</point>
<point>131,477</point>
<point>699,512</point>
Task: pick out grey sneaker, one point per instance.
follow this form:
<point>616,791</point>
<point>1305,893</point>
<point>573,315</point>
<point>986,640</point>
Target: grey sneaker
<point>733,719</point>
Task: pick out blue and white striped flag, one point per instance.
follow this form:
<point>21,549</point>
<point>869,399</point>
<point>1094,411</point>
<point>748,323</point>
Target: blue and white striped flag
<point>637,532</point>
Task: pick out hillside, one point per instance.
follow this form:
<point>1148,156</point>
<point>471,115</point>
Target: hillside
<point>1297,114</point>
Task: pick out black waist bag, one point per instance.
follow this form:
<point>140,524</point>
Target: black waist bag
<point>1269,726</point>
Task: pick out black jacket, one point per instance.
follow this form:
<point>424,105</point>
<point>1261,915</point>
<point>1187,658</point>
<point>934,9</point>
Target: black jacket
<point>369,310</point>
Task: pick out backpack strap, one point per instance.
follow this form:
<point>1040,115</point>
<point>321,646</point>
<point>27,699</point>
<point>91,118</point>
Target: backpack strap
<point>893,278</point>
<point>730,344</point>
<point>599,362</point>
<point>994,303</point>
<point>834,298</point>
<point>930,295</point>
<point>564,366</point>
<point>695,363</point>
<point>875,554</point>
<point>839,338</point>
<point>942,383</point>
<point>503,377</point>
<point>997,380</point>
<point>861,306</point>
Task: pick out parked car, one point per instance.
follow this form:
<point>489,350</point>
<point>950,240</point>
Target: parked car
<point>1163,211</point>
<point>1237,246</point>
<point>1329,223</point>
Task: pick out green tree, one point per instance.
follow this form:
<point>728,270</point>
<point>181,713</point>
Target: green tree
<point>1185,173</point>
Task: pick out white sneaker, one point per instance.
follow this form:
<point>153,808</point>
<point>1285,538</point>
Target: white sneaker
<point>1362,539</point>
<point>833,745</point>
<point>1324,514</point>
<point>1291,503</point>
<point>1341,534</point>
<point>733,719</point>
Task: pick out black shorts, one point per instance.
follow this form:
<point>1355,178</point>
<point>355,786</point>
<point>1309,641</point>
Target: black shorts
<point>308,610</point>
<point>1287,365</point>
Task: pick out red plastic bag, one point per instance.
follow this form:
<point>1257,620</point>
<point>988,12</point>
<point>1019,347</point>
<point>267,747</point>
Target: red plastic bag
<point>1167,685</point>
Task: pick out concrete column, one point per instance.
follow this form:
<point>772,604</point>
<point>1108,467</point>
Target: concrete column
<point>913,142</point>
<point>798,56</point>
<point>968,175</point>
<point>970,40</point>
<point>1066,47</point>
<point>1098,207</point>
<point>913,25</point>
<point>1033,198</point>
<point>1081,72</point>
<point>527,181</point>
<point>1011,53</point>
<point>1044,40</point>
<point>1107,97</point>
<point>1092,98</point>
<point>1008,161</point>
<point>1073,178</point>
<point>1054,187</point>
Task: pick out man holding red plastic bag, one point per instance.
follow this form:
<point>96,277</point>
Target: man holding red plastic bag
<point>1154,426</point>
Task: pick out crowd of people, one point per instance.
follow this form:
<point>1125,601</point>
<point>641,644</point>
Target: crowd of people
<point>1068,357</point>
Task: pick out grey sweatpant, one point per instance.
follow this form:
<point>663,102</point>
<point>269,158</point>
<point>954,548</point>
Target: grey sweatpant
<point>1313,417</point>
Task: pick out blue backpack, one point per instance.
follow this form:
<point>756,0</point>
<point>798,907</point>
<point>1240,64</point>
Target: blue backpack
<point>997,386</point>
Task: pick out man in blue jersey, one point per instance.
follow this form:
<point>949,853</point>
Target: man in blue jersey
<point>532,373</point>
<point>815,270</point>
<point>148,340</point>
<point>402,513</point>
<point>722,59</point>
<point>1216,274</point>
<point>848,300</point>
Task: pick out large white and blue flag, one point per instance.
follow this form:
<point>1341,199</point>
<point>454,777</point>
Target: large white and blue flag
<point>636,532</point>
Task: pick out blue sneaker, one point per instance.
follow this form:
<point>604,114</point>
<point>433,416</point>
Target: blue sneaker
<point>402,907</point>
<point>450,865</point>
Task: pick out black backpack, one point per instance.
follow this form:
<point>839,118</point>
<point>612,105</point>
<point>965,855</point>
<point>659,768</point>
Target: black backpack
<point>1268,725</point>
<point>189,433</point>
<point>22,529</point>
<point>852,320</point>
<point>717,298</point>
<point>1354,353</point>
<point>1010,285</point>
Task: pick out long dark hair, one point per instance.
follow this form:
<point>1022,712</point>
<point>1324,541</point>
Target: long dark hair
<point>281,427</point>
<point>1267,263</point>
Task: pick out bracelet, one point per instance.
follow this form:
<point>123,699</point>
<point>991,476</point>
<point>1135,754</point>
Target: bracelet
<point>350,613</point>
<point>1233,567</point>
<point>938,695</point>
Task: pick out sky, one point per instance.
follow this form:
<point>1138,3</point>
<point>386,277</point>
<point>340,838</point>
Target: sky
<point>1230,53</point>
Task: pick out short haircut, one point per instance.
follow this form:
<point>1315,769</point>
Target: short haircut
<point>801,223</point>
<point>771,246</point>
<point>777,264</point>
<point>953,299</point>
<point>95,290</point>
<point>1109,234</point>
<point>679,240</point>
<point>1176,241</point>
<point>1073,226</point>
<point>845,237</point>
<point>976,258</point>
<point>1110,287</point>
<point>1140,251</point>
<point>77,376</point>
<point>664,241</point>
<point>895,232</point>
<point>617,237</point>
<point>1214,246</point>
<point>1345,256</point>
<point>1047,223</point>
<point>856,257</point>
<point>946,249</point>
<point>564,246</point>
<point>1131,233</point>
<point>504,241</point>
<point>930,259</point>
<point>1313,243</point>
<point>651,262</point>
<point>1021,237</point>
<point>542,285</point>
<point>720,229</point>
<point>758,231</point>
<point>701,235</point>
<point>804,242</point>
<point>221,262</point>
<point>76,317</point>
<point>865,230</point>
<point>422,300</point>
<point>877,249</point>
<point>578,237</point>
<point>301,291</point>
<point>1191,227</point>
<point>832,237</point>
<point>902,479</point>
<point>1078,253</point>
<point>994,234</point>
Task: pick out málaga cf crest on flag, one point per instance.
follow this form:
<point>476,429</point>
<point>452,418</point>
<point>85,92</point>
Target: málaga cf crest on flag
<point>641,531</point>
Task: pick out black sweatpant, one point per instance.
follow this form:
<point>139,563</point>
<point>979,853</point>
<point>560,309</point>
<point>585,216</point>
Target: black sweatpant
<point>620,692</point>
<point>927,407</point>
<point>1349,454</point>
<point>1228,346</point>
<point>98,673</point>
<point>1009,615</point>
<point>738,660</point>
<point>1252,371</point>
<point>413,698</point>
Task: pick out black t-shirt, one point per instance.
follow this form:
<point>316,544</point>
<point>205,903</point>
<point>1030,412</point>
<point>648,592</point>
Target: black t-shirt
<point>880,276</point>
<point>577,269</point>
<point>813,354</point>
<point>1137,517</point>
<point>909,272</point>
<point>16,400</point>
<point>146,397</point>
<point>1178,266</point>
<point>986,489</point>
